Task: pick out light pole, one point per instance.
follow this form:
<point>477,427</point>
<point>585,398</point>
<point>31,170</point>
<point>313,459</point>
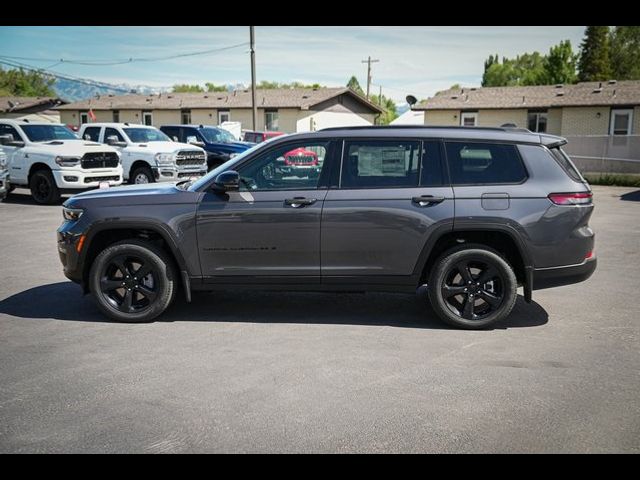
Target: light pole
<point>254,106</point>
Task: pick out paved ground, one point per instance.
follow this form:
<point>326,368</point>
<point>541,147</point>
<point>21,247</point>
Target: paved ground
<point>318,373</point>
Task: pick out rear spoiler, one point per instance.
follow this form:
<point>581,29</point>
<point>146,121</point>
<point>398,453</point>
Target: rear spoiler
<point>551,141</point>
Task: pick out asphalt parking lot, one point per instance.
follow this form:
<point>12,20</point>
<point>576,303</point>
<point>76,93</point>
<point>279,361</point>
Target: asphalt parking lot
<point>298,372</point>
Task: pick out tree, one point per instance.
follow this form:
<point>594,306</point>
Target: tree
<point>186,88</point>
<point>625,53</point>
<point>266,84</point>
<point>212,87</point>
<point>354,85</point>
<point>20,83</point>
<point>595,63</point>
<point>560,64</point>
<point>389,108</point>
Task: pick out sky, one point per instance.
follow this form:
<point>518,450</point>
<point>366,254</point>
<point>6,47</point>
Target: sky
<point>412,60</point>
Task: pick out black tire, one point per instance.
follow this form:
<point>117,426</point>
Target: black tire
<point>140,172</point>
<point>148,295</point>
<point>472,287</point>
<point>43,188</point>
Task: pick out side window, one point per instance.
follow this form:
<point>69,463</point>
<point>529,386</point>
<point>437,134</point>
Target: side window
<point>112,132</point>
<point>9,130</point>
<point>432,173</point>
<point>172,133</point>
<point>380,164</point>
<point>91,133</point>
<point>293,166</point>
<point>484,163</point>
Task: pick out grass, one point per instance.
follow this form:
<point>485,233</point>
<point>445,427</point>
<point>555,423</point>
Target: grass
<point>616,179</point>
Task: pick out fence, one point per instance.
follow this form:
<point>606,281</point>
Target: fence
<point>605,153</point>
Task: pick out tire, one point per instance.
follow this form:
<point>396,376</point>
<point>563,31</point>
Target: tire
<point>139,173</point>
<point>488,299</point>
<point>149,296</point>
<point>43,188</point>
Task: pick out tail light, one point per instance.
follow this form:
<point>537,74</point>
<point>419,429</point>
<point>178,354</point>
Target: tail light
<point>582,198</point>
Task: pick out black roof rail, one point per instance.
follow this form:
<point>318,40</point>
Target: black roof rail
<point>427,127</point>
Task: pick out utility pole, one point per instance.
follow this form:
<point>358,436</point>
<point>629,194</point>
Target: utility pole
<point>368,61</point>
<point>254,106</point>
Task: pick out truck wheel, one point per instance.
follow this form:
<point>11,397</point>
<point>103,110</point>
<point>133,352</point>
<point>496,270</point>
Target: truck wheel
<point>43,188</point>
<point>133,281</point>
<point>472,287</point>
<point>141,175</point>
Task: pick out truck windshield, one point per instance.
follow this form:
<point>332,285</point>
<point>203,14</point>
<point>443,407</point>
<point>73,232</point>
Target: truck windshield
<point>46,133</point>
<point>217,135</point>
<point>145,135</point>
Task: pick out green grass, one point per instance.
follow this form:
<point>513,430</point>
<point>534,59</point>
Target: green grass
<point>617,179</point>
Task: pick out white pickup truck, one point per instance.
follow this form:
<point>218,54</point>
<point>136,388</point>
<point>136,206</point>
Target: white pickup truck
<point>50,159</point>
<point>148,155</point>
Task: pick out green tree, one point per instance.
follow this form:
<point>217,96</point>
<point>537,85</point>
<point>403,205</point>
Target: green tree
<point>212,87</point>
<point>560,64</point>
<point>354,85</point>
<point>595,63</point>
<point>266,84</point>
<point>389,107</point>
<point>525,69</point>
<point>21,83</point>
<point>625,53</point>
<point>186,88</point>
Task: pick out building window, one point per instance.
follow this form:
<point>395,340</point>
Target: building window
<point>84,118</point>
<point>621,121</point>
<point>116,116</point>
<point>185,117</point>
<point>224,116</point>
<point>271,120</point>
<point>147,118</point>
<point>537,121</point>
<point>469,119</point>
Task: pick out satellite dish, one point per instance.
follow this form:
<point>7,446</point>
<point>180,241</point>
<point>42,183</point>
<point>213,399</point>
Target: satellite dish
<point>411,100</point>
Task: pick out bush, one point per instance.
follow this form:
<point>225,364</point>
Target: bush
<point>616,179</point>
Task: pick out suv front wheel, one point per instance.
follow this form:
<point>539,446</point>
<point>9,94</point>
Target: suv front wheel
<point>472,287</point>
<point>133,281</point>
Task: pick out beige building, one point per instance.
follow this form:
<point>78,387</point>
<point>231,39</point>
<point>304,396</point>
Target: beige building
<point>33,109</point>
<point>285,110</point>
<point>590,108</point>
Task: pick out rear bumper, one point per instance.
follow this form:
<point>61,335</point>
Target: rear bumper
<point>565,275</point>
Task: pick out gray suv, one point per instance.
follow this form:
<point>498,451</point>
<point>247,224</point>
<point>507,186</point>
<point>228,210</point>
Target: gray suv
<point>473,213</point>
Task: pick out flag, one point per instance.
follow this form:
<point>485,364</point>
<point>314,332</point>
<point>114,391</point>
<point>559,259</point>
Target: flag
<point>92,115</point>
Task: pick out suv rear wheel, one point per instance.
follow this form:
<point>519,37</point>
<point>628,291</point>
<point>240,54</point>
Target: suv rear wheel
<point>133,281</point>
<point>43,188</point>
<point>472,287</point>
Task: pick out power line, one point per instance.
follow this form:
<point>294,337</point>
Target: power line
<point>111,62</point>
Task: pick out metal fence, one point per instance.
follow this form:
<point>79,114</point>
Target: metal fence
<point>605,153</point>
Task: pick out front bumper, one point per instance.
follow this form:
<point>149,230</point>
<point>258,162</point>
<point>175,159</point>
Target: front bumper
<point>69,255</point>
<point>172,174</point>
<point>70,179</point>
<point>4,185</point>
<point>565,275</point>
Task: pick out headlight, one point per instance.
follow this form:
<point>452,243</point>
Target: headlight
<point>164,158</point>
<point>67,161</point>
<point>71,214</point>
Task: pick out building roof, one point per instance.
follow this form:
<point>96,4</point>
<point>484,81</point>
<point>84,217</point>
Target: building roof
<point>18,104</point>
<point>543,96</point>
<point>302,98</point>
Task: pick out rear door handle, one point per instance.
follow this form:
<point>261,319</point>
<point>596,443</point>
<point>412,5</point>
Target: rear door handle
<point>299,202</point>
<point>425,200</point>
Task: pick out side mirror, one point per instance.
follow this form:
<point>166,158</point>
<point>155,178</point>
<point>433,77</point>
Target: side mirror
<point>193,140</point>
<point>9,141</point>
<point>228,181</point>
<point>114,142</point>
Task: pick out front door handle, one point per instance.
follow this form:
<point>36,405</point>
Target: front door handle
<point>425,200</point>
<point>299,202</point>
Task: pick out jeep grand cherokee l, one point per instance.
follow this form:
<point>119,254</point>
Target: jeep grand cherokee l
<point>473,213</point>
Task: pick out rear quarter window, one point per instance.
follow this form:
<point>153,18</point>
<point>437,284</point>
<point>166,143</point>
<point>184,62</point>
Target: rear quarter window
<point>484,163</point>
<point>567,165</point>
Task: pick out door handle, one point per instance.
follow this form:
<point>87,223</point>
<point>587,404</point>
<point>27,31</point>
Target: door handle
<point>425,200</point>
<point>298,202</point>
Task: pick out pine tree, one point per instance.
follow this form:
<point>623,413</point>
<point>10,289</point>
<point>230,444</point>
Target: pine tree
<point>354,85</point>
<point>625,53</point>
<point>595,64</point>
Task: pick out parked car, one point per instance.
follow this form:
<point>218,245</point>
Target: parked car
<point>259,137</point>
<point>50,159</point>
<point>4,176</point>
<point>219,144</point>
<point>473,213</point>
<point>148,155</point>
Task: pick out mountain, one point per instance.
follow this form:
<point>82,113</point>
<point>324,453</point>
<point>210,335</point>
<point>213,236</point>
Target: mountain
<point>73,91</point>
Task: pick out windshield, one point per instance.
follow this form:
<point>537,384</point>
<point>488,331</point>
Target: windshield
<point>228,165</point>
<point>144,135</point>
<point>46,133</point>
<point>217,135</point>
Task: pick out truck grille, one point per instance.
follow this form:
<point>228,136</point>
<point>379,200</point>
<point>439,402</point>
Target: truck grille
<point>100,160</point>
<point>190,157</point>
<point>101,179</point>
<point>190,174</point>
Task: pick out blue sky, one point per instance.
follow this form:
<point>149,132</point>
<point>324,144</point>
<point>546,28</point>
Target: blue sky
<point>417,60</point>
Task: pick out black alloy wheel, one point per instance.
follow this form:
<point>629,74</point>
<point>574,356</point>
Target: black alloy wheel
<point>129,284</point>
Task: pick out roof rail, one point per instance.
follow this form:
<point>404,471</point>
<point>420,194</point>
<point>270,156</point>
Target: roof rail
<point>427,127</point>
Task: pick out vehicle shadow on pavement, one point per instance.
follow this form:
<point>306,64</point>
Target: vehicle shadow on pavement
<point>19,198</point>
<point>631,196</point>
<point>64,301</point>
